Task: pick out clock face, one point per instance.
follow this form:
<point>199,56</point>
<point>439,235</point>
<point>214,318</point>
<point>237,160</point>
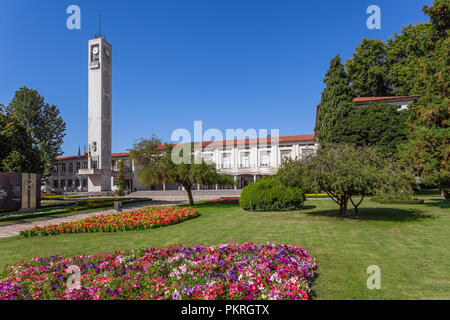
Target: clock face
<point>107,52</point>
<point>95,50</point>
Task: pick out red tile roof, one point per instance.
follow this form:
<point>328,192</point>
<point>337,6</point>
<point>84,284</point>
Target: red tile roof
<point>370,99</point>
<point>304,137</point>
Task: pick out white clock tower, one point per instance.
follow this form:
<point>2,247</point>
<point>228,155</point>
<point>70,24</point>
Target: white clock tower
<point>99,116</point>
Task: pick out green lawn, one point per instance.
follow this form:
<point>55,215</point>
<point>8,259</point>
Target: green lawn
<point>410,243</point>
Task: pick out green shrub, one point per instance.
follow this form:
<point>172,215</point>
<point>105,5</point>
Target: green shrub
<point>269,195</point>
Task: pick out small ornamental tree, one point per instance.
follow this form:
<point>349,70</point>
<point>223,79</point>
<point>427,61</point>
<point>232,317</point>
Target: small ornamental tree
<point>341,170</point>
<point>120,180</point>
<point>155,166</point>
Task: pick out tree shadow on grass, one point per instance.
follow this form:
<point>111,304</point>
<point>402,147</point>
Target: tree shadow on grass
<point>440,203</point>
<point>215,205</point>
<point>380,214</point>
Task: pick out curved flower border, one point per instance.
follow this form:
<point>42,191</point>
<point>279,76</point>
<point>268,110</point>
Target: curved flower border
<point>227,271</point>
<point>146,218</point>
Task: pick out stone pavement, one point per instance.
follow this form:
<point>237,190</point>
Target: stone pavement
<point>14,229</point>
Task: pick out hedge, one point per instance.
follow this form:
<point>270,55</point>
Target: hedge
<point>268,194</point>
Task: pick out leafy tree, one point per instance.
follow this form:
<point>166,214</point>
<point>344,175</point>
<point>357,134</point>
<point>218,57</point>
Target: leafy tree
<point>395,182</point>
<point>367,69</point>
<point>342,171</point>
<point>378,125</point>
<point>336,101</point>
<point>120,180</point>
<point>403,60</point>
<point>155,166</point>
<point>42,122</point>
<point>17,153</point>
<point>428,148</point>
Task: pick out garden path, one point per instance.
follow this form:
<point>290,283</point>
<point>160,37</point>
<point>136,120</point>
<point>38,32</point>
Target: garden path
<point>14,229</point>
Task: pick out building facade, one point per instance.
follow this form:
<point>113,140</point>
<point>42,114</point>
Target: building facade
<point>245,160</point>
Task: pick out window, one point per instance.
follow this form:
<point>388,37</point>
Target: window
<point>245,160</point>
<point>63,168</point>
<point>265,159</point>
<point>85,165</point>
<point>55,168</point>
<point>63,183</point>
<point>70,167</point>
<point>55,184</point>
<point>226,160</point>
<point>78,166</point>
<point>94,164</point>
<point>77,183</point>
<point>69,183</point>
<point>84,183</point>
<point>308,151</point>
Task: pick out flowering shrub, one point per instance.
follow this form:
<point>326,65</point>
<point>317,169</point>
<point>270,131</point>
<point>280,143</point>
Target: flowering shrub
<point>146,218</point>
<point>229,271</point>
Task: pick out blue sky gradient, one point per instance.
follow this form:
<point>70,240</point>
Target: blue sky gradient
<point>229,63</point>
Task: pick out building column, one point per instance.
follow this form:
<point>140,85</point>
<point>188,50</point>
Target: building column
<point>254,178</point>
<point>217,187</point>
<point>235,181</point>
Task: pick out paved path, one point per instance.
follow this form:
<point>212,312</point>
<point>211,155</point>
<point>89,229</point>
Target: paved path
<point>14,229</point>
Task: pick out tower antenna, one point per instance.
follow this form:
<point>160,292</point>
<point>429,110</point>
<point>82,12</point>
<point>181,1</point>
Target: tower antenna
<point>100,24</point>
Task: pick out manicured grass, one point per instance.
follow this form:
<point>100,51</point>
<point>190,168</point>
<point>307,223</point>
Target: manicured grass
<point>410,244</point>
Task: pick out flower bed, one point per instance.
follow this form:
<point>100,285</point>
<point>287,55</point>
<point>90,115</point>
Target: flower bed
<point>146,218</point>
<point>230,271</point>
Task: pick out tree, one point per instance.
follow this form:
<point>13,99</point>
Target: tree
<point>403,56</point>
<point>341,170</point>
<point>428,147</point>
<point>17,152</point>
<point>42,122</point>
<point>155,166</point>
<point>120,180</point>
<point>367,69</point>
<point>378,125</point>
<point>336,101</point>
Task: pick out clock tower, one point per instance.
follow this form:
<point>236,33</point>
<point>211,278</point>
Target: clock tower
<point>99,116</point>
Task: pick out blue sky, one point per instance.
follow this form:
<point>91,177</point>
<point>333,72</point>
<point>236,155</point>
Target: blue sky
<point>229,63</point>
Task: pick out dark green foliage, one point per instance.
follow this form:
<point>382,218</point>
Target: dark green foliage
<point>367,69</point>
<point>31,133</point>
<point>268,194</point>
<point>17,152</point>
<point>381,126</point>
<point>336,101</point>
<point>120,180</point>
<point>428,148</point>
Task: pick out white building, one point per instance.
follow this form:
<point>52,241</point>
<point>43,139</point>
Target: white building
<point>245,160</point>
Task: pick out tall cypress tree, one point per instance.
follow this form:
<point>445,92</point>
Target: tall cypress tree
<point>335,104</point>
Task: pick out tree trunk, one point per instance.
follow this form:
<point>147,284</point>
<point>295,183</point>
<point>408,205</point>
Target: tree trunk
<point>189,192</point>
<point>445,193</point>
